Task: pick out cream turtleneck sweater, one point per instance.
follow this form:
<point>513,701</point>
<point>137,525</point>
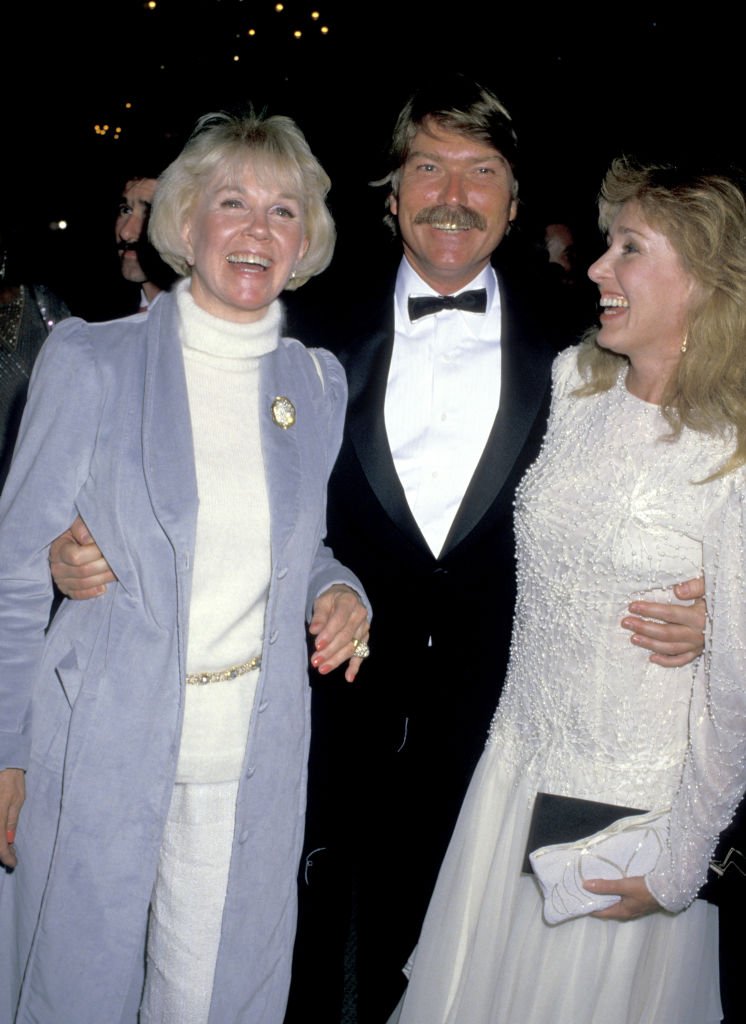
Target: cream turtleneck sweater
<point>229,595</point>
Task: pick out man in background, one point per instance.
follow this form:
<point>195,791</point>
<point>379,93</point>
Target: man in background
<point>140,264</point>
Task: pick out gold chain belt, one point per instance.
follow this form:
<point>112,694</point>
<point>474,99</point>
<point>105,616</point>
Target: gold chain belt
<point>202,678</point>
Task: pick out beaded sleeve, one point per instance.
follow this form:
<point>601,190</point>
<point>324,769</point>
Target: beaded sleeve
<point>714,772</point>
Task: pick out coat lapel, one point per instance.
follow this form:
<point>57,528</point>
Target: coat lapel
<point>168,450</point>
<point>367,373</point>
<point>280,447</point>
<point>523,388</point>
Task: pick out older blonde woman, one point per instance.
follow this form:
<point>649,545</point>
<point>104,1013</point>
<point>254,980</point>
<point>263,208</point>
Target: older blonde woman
<point>160,734</point>
<point>640,482</point>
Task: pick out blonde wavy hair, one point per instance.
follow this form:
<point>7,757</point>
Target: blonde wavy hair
<point>704,218</point>
<point>276,150</point>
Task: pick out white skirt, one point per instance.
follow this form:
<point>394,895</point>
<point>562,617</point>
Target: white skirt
<point>486,956</point>
<point>186,911</point>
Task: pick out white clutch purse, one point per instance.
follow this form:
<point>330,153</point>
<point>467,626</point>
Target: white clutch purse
<point>629,847</point>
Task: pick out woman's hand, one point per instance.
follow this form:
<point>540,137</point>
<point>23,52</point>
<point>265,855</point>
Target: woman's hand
<point>78,567</point>
<point>677,638</point>
<point>339,618</point>
<point>12,795</point>
<point>636,900</point>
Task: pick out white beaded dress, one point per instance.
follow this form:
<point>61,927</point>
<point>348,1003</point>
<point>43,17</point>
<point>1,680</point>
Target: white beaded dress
<point>610,512</point>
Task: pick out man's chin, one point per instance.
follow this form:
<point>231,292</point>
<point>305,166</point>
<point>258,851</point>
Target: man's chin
<point>132,273</point>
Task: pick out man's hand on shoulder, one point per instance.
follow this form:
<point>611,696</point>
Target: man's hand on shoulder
<point>78,568</point>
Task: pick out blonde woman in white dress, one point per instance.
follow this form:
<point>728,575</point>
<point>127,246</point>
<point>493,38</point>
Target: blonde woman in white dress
<point>640,483</point>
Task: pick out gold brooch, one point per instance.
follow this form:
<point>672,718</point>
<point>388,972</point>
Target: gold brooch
<point>283,412</point>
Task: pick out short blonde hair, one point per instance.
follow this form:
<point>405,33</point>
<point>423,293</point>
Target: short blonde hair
<point>703,216</point>
<point>277,150</point>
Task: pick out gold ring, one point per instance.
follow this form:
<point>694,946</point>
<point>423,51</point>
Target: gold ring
<point>360,647</point>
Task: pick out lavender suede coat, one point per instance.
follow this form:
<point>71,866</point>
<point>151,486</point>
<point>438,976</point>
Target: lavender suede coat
<point>93,709</point>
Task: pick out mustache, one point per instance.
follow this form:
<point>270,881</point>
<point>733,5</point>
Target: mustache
<point>444,216</point>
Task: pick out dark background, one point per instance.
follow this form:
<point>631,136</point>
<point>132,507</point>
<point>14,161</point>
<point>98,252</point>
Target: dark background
<point>582,85</point>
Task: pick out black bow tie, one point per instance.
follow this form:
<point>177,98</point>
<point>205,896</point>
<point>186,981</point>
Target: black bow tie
<point>474,301</point>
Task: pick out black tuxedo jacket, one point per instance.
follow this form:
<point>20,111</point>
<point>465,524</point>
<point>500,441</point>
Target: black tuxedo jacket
<point>441,628</point>
<point>392,755</point>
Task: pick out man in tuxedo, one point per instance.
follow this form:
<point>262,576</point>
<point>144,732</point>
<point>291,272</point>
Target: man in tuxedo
<point>447,407</point>
<point>446,410</point>
<point>448,365</point>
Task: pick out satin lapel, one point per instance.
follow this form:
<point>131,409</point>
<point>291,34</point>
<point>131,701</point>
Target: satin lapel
<point>367,374</point>
<point>280,447</point>
<point>168,450</point>
<point>523,387</point>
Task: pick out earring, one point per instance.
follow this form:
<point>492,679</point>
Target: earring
<point>684,343</point>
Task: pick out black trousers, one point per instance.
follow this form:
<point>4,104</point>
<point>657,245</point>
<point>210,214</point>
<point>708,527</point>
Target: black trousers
<point>384,794</point>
